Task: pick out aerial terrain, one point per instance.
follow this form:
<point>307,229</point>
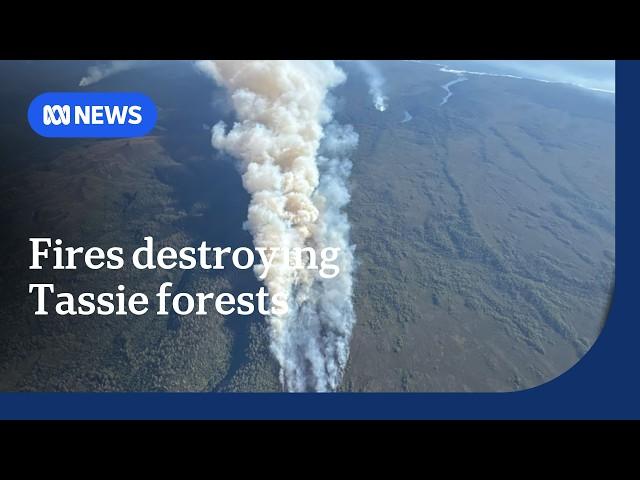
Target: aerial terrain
<point>482,216</point>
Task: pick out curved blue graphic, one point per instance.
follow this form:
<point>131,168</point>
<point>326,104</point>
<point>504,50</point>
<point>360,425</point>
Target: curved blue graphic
<point>92,114</point>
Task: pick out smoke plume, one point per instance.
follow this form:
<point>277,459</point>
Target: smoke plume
<point>376,84</point>
<point>99,72</point>
<point>294,164</point>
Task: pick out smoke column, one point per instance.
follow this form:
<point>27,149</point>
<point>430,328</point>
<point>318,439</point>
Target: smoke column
<point>100,72</point>
<point>376,84</point>
<point>294,164</point>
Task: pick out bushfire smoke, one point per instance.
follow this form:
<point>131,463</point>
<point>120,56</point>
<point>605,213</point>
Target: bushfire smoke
<point>294,164</point>
<point>99,72</point>
<point>376,85</point>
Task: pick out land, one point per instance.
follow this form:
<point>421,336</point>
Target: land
<point>484,233</point>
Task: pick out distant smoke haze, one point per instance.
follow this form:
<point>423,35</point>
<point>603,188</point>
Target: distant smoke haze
<point>590,74</point>
<point>97,73</point>
<point>104,70</point>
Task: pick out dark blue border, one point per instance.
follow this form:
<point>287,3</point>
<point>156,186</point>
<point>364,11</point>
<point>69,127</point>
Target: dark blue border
<point>603,385</point>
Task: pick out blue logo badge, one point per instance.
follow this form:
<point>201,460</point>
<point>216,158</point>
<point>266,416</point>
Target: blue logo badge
<point>92,114</point>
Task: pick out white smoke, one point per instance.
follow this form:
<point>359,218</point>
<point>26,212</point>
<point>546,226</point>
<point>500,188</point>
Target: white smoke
<point>321,332</point>
<point>296,173</point>
<point>100,72</point>
<point>376,83</point>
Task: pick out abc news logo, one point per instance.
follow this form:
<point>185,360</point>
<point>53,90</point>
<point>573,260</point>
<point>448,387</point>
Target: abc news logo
<point>92,114</point>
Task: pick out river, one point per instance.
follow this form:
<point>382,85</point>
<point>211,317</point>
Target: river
<point>447,88</point>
